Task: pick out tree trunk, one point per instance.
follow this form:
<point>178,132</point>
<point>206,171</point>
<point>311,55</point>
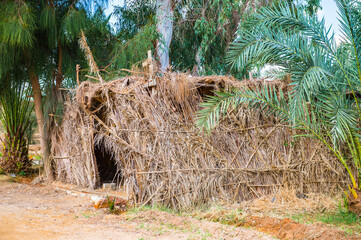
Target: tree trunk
<point>197,68</point>
<point>354,204</point>
<point>40,121</point>
<point>165,29</point>
<point>59,74</point>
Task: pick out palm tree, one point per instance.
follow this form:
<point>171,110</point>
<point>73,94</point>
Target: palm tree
<point>324,98</point>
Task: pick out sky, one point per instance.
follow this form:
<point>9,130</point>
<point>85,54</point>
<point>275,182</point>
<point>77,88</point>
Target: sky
<point>329,12</point>
<point>111,4</point>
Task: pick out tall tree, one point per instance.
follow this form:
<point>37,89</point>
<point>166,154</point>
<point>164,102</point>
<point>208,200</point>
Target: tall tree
<point>40,36</point>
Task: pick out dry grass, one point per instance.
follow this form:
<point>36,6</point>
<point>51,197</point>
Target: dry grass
<point>163,158</point>
<point>289,201</point>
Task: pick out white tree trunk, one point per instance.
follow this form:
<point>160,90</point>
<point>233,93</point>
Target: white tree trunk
<point>165,28</point>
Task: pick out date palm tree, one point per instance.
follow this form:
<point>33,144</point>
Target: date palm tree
<point>324,99</point>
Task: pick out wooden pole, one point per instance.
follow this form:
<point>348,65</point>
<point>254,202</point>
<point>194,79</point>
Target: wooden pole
<point>77,73</point>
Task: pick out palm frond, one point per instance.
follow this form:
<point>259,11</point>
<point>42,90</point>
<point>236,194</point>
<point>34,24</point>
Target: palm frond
<point>290,18</point>
<point>265,46</point>
<point>350,22</point>
<point>274,72</point>
<point>338,114</point>
<point>266,99</point>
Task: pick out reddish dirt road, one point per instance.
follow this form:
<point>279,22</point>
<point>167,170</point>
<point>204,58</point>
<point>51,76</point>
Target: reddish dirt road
<point>31,213</point>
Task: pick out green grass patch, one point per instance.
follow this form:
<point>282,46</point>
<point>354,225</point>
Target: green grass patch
<point>341,218</point>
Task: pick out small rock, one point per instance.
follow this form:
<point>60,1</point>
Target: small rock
<point>301,195</point>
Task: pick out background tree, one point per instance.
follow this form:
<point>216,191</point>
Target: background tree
<point>136,33</point>
<point>202,31</point>
<point>144,25</point>
<point>183,24</point>
<point>165,16</point>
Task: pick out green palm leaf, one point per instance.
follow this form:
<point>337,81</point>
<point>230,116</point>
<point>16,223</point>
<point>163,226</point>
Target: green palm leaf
<point>266,99</point>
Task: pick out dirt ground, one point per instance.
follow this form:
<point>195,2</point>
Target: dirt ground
<point>47,212</point>
<point>289,229</point>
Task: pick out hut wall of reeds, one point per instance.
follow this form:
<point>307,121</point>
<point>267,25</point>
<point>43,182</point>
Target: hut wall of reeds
<point>141,134</point>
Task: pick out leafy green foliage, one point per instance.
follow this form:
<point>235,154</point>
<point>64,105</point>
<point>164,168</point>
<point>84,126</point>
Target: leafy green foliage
<point>312,6</point>
<point>133,16</point>
<point>202,32</point>
<point>111,204</point>
<point>266,99</point>
<point>134,50</point>
<point>72,24</point>
<point>15,116</point>
<point>136,33</point>
<point>45,34</point>
<point>100,38</point>
<point>17,31</point>
<point>341,217</point>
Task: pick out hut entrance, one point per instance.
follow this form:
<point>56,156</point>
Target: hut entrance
<point>107,167</point>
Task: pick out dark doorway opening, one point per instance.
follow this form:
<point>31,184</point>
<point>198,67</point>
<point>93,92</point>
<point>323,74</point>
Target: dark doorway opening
<point>107,166</point>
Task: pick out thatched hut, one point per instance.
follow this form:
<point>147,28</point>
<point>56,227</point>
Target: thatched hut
<point>140,133</point>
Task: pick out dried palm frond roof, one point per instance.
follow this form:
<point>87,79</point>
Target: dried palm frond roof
<point>182,83</point>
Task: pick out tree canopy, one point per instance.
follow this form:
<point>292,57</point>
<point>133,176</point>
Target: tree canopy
<point>202,32</point>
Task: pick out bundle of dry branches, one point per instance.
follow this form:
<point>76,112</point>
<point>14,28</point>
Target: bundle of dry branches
<point>162,157</point>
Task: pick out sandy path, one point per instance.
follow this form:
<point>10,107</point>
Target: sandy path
<point>44,213</point>
<point>31,213</point>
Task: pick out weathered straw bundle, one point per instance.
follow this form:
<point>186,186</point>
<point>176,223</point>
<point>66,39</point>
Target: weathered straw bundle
<point>148,127</point>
